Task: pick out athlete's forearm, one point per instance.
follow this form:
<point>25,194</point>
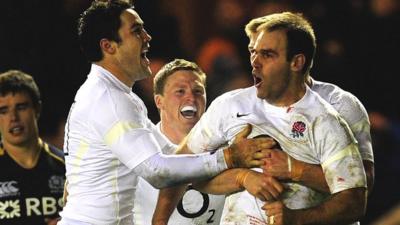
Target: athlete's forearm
<point>222,184</point>
<point>168,199</point>
<point>311,176</point>
<point>166,170</point>
<point>342,208</point>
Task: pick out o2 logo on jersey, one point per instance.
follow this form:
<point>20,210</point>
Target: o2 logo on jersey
<point>188,205</point>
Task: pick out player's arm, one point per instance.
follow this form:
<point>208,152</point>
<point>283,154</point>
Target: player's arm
<point>280,165</point>
<point>370,174</point>
<point>239,154</point>
<point>343,207</point>
<point>167,170</point>
<point>230,181</point>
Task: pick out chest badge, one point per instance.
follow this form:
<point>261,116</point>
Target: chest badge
<point>298,129</point>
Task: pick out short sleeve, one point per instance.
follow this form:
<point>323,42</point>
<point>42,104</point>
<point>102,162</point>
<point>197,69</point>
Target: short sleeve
<point>208,133</point>
<point>339,155</point>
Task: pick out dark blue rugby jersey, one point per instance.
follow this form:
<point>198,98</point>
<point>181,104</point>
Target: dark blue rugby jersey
<point>28,196</point>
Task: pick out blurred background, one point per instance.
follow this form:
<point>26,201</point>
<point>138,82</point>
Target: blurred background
<point>358,47</point>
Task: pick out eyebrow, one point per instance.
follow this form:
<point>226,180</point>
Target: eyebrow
<point>268,50</point>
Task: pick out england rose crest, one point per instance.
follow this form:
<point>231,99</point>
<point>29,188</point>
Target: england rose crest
<point>298,129</point>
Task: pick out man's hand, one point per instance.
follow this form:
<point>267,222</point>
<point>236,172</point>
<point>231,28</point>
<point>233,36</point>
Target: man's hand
<point>282,166</point>
<point>262,186</point>
<point>241,152</point>
<point>277,163</point>
<point>278,214</point>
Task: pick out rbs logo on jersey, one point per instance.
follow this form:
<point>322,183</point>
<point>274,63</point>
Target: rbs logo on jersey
<point>34,207</point>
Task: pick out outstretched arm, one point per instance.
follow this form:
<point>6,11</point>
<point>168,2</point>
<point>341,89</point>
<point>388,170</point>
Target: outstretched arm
<point>258,184</point>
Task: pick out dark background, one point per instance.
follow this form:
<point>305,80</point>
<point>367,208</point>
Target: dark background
<point>358,47</point>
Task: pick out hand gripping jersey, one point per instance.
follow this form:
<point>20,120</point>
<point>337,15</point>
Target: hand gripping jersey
<point>194,208</point>
<point>28,196</point>
<point>310,130</point>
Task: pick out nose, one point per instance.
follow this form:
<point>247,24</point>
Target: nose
<point>254,60</point>
<point>146,36</point>
<point>190,96</point>
<point>14,116</point>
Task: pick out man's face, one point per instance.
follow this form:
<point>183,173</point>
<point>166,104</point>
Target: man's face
<point>18,119</point>
<point>271,70</point>
<point>183,101</point>
<point>131,51</point>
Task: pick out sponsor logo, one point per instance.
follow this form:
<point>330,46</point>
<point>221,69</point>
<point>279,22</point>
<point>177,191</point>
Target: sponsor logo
<point>8,188</point>
<point>238,115</point>
<point>56,184</point>
<point>45,206</point>
<point>10,209</point>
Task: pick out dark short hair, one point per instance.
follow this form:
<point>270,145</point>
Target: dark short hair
<point>100,20</point>
<point>15,81</point>
<point>299,33</point>
<point>170,68</point>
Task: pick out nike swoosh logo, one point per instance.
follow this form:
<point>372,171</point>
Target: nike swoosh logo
<point>238,115</point>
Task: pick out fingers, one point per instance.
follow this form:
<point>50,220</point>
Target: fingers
<point>263,187</point>
<point>262,154</point>
<point>263,143</point>
<point>277,185</point>
<point>273,186</point>
<point>244,132</point>
<point>273,208</point>
<point>256,163</point>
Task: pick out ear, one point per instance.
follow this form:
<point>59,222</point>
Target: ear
<point>298,62</point>
<point>107,46</point>
<point>158,99</point>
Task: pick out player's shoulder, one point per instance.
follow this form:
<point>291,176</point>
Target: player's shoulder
<point>53,152</point>
<point>343,101</point>
<point>2,153</point>
<point>334,94</point>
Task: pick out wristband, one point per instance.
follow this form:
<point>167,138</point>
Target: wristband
<point>297,169</point>
<point>241,177</point>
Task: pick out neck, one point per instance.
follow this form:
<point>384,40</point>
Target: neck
<point>291,95</point>
<point>117,72</point>
<point>172,133</point>
<point>26,155</point>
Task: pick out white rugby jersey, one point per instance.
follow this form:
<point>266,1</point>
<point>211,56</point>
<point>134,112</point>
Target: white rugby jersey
<point>194,208</point>
<point>107,134</point>
<point>310,130</point>
<point>352,110</point>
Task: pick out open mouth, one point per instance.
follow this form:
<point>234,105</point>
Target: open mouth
<point>188,112</point>
<point>16,130</point>
<point>257,81</point>
<point>143,55</point>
